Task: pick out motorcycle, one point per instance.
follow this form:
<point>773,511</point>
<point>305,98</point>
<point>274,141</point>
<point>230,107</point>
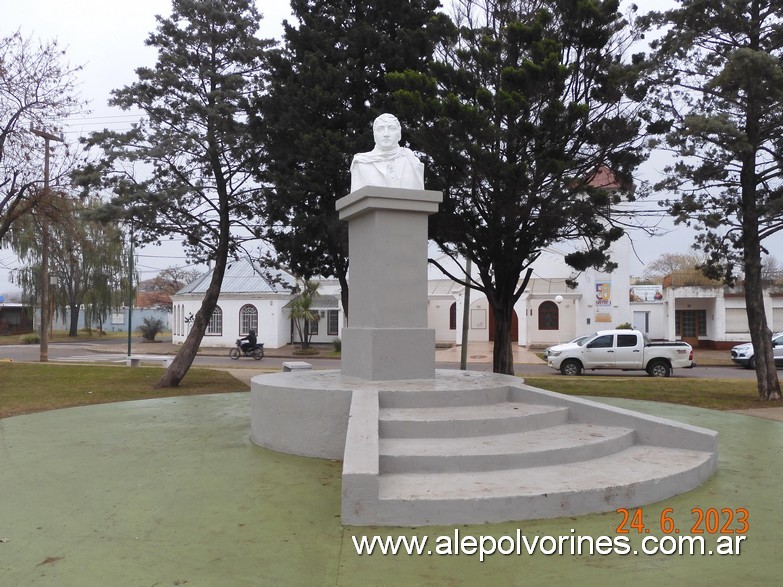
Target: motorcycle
<point>256,351</point>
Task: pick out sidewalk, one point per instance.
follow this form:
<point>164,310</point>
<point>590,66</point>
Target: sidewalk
<point>478,352</point>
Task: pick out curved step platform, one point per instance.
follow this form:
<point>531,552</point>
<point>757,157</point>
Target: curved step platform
<point>517,453</point>
<point>469,448</point>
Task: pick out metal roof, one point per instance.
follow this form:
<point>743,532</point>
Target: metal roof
<point>322,302</point>
<point>242,276</point>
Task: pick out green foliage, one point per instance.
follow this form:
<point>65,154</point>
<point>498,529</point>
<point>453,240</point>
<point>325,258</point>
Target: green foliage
<point>326,86</point>
<point>150,328</point>
<point>195,141</point>
<point>624,326</point>
<point>530,101</point>
<point>31,338</point>
<point>717,79</point>
<point>194,135</point>
<point>86,260</point>
<point>338,345</point>
<point>301,311</point>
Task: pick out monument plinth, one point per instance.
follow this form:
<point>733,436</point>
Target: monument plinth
<point>426,447</point>
<point>387,337</point>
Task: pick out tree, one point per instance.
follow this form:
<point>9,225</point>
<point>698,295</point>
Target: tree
<point>326,86</point>
<point>302,313</point>
<point>719,88</point>
<point>157,291</point>
<point>36,90</point>
<point>527,108</point>
<point>86,258</point>
<point>669,263</point>
<point>195,141</point>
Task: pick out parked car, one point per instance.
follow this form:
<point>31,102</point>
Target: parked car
<point>743,354</point>
<point>621,349</point>
<point>578,340</point>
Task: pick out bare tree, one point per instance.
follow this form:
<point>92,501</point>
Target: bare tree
<point>37,89</point>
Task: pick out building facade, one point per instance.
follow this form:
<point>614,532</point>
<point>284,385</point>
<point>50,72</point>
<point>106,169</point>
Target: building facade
<point>253,298</point>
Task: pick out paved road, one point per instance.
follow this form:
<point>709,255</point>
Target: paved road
<point>79,352</point>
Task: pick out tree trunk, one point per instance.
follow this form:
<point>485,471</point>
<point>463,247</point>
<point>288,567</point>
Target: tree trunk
<point>73,329</point>
<point>760,335</point>
<point>187,352</point>
<point>502,355</point>
<point>344,294</point>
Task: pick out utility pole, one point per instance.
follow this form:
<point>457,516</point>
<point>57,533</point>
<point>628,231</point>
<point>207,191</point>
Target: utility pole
<point>463,360</point>
<point>45,317</point>
<point>131,271</point>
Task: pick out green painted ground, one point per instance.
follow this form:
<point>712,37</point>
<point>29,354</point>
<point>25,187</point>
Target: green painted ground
<point>172,492</point>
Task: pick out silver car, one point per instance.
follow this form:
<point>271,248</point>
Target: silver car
<point>743,354</point>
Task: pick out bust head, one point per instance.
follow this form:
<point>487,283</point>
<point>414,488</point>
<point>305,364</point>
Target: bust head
<point>387,132</point>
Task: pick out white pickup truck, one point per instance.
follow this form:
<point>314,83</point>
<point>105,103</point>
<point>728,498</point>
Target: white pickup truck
<point>620,349</point>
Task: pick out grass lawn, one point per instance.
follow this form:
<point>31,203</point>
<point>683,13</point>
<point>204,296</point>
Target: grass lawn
<point>33,387</point>
<point>713,394</point>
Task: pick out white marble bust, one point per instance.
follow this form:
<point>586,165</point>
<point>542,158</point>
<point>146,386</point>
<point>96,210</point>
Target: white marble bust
<point>388,164</point>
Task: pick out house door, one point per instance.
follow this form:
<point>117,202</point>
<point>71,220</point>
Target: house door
<point>514,326</point>
<point>689,324</point>
<point>641,322</point>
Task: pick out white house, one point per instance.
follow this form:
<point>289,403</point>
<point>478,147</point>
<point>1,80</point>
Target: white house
<point>548,312</point>
<point>257,299</point>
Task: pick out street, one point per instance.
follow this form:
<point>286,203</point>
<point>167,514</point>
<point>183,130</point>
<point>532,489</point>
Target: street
<point>91,353</point>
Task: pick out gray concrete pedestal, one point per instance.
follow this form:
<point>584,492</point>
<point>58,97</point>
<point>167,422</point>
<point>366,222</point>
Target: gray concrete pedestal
<point>387,337</point>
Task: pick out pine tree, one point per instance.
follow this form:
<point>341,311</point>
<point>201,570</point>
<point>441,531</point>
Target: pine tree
<point>327,85</point>
<point>195,139</point>
<point>719,92</point>
<point>529,102</point>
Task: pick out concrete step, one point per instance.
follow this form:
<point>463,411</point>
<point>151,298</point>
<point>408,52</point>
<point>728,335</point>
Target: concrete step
<point>564,443</point>
<point>444,395</point>
<point>636,476</point>
<point>475,420</point>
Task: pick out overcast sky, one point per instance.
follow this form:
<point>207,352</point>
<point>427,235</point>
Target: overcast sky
<point>107,38</point>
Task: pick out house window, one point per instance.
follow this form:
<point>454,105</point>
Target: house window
<point>453,316</point>
<point>548,316</point>
<point>332,322</point>
<point>313,326</point>
<point>215,326</point>
<point>248,320</point>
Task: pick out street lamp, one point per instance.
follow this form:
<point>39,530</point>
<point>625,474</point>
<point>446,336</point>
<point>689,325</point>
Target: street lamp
<point>44,353</point>
<point>558,301</point>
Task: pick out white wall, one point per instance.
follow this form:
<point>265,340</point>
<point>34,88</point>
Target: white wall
<point>439,318</point>
<point>273,329</point>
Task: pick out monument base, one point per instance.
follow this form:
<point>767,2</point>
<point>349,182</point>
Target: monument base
<point>466,448</point>
<point>386,354</point>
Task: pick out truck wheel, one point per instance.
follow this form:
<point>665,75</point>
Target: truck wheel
<point>571,367</point>
<point>659,369</point>
<point>234,354</point>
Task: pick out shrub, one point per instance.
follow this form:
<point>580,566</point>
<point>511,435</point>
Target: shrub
<point>32,338</point>
<point>625,326</point>
<point>150,328</point>
<point>338,345</point>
